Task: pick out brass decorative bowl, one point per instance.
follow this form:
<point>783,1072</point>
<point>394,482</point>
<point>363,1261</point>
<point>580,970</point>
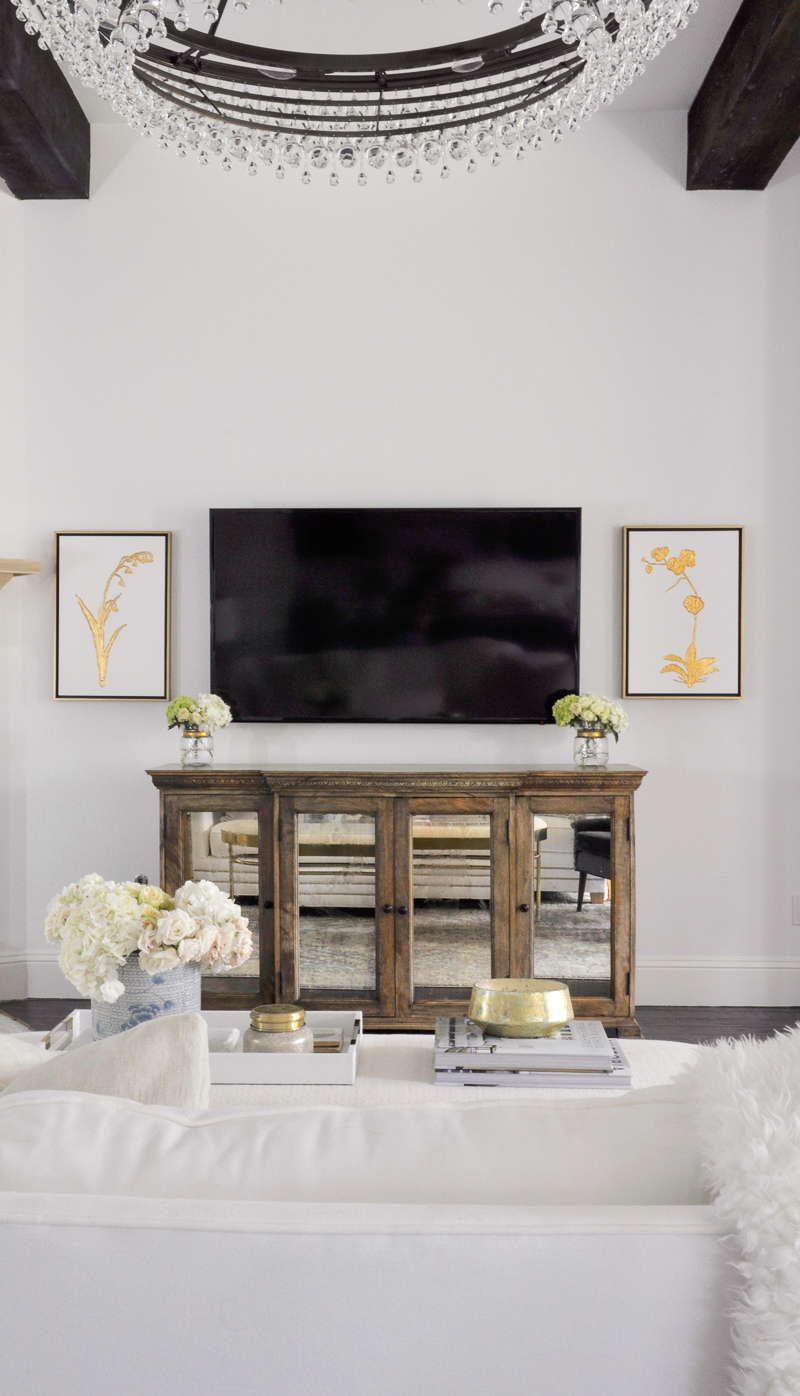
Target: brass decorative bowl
<point>521,1007</point>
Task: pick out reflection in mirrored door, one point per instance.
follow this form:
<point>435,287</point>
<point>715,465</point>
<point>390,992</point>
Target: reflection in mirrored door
<point>336,894</point>
<point>571,919</point>
<point>451,878</point>
<point>222,847</point>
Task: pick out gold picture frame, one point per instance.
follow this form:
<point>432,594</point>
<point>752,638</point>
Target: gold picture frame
<point>111,640</point>
<point>682,639</point>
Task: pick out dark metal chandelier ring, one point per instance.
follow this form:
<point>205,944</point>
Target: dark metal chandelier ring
<point>340,96</point>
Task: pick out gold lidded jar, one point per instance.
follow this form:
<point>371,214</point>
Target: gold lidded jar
<point>278,1027</point>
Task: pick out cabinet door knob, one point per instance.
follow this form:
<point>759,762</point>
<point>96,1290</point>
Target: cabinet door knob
<point>524,906</point>
<point>387,906</point>
<point>402,911</point>
<point>268,906</point>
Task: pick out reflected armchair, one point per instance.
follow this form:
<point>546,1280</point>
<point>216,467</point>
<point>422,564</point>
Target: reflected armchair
<point>591,850</point>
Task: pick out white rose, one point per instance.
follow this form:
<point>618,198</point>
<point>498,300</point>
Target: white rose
<point>148,940</point>
<point>223,939</point>
<point>189,950</point>
<point>159,961</point>
<point>173,926</point>
<point>239,956</point>
<point>206,935</point>
<point>240,946</point>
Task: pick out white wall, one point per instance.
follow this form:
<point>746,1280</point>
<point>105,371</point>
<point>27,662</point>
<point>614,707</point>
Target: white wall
<point>572,330</point>
<point>13,543</point>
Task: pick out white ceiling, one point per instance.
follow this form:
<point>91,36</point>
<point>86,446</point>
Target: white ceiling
<point>669,84</point>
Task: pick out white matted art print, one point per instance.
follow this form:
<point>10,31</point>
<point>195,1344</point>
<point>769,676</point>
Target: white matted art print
<point>682,612</point>
<point>112,615</point>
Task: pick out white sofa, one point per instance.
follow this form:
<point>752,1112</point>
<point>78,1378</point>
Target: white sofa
<point>406,1241</point>
<point>139,1297</point>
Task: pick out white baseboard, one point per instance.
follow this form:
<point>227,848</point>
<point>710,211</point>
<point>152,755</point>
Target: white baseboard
<point>697,980</point>
<point>718,979</point>
<point>13,975</point>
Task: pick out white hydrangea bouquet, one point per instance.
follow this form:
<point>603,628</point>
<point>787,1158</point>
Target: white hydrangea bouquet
<point>589,709</point>
<point>99,924</point>
<point>205,713</point>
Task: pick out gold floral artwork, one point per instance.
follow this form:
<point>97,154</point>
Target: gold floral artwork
<point>690,669</point>
<point>97,624</point>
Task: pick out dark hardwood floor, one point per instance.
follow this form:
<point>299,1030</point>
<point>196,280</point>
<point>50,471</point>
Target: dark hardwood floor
<point>707,1024</point>
<point>41,1014</point>
<point>671,1024</point>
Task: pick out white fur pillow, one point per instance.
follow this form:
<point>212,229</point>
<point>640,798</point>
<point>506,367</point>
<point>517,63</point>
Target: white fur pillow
<point>163,1062</point>
<point>19,1051</point>
<point>747,1102</point>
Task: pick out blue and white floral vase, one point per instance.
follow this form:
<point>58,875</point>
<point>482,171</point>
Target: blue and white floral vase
<point>147,996</point>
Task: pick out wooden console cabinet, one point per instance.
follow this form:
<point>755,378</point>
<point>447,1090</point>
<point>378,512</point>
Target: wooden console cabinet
<point>392,890</point>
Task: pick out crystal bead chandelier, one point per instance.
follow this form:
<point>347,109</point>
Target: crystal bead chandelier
<point>441,107</point>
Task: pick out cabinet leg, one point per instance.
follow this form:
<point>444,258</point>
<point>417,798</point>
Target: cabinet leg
<point>622,1027</point>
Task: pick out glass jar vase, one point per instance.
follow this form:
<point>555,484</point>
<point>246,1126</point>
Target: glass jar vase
<point>197,747</point>
<point>590,747</point>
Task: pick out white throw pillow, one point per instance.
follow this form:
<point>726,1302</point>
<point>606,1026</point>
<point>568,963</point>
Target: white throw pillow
<point>19,1051</point>
<point>163,1062</point>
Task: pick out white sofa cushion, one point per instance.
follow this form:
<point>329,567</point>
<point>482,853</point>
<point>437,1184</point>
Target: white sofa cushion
<point>635,1150</point>
<point>163,1062</point>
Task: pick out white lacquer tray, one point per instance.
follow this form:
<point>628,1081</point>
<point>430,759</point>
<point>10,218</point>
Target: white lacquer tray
<point>255,1068</point>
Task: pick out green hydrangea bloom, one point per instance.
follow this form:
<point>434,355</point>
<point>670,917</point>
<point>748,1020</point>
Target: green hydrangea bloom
<point>181,710</point>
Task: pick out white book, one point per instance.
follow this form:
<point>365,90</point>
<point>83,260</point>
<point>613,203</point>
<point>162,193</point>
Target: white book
<point>619,1078</point>
<point>583,1045</point>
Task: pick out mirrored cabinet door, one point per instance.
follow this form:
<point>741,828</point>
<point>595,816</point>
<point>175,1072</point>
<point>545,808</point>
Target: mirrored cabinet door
<point>452,890</point>
<point>221,846</point>
<point>569,916</point>
<point>336,925</point>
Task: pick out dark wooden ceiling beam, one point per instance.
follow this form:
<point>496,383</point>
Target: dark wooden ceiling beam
<point>746,116</point>
<point>44,134</point>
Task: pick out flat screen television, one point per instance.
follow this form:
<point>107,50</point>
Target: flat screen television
<point>394,615</point>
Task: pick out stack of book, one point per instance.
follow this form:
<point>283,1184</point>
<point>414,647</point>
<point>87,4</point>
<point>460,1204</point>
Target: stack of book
<point>580,1057</point>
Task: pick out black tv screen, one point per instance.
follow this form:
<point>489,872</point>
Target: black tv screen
<point>394,615</point>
